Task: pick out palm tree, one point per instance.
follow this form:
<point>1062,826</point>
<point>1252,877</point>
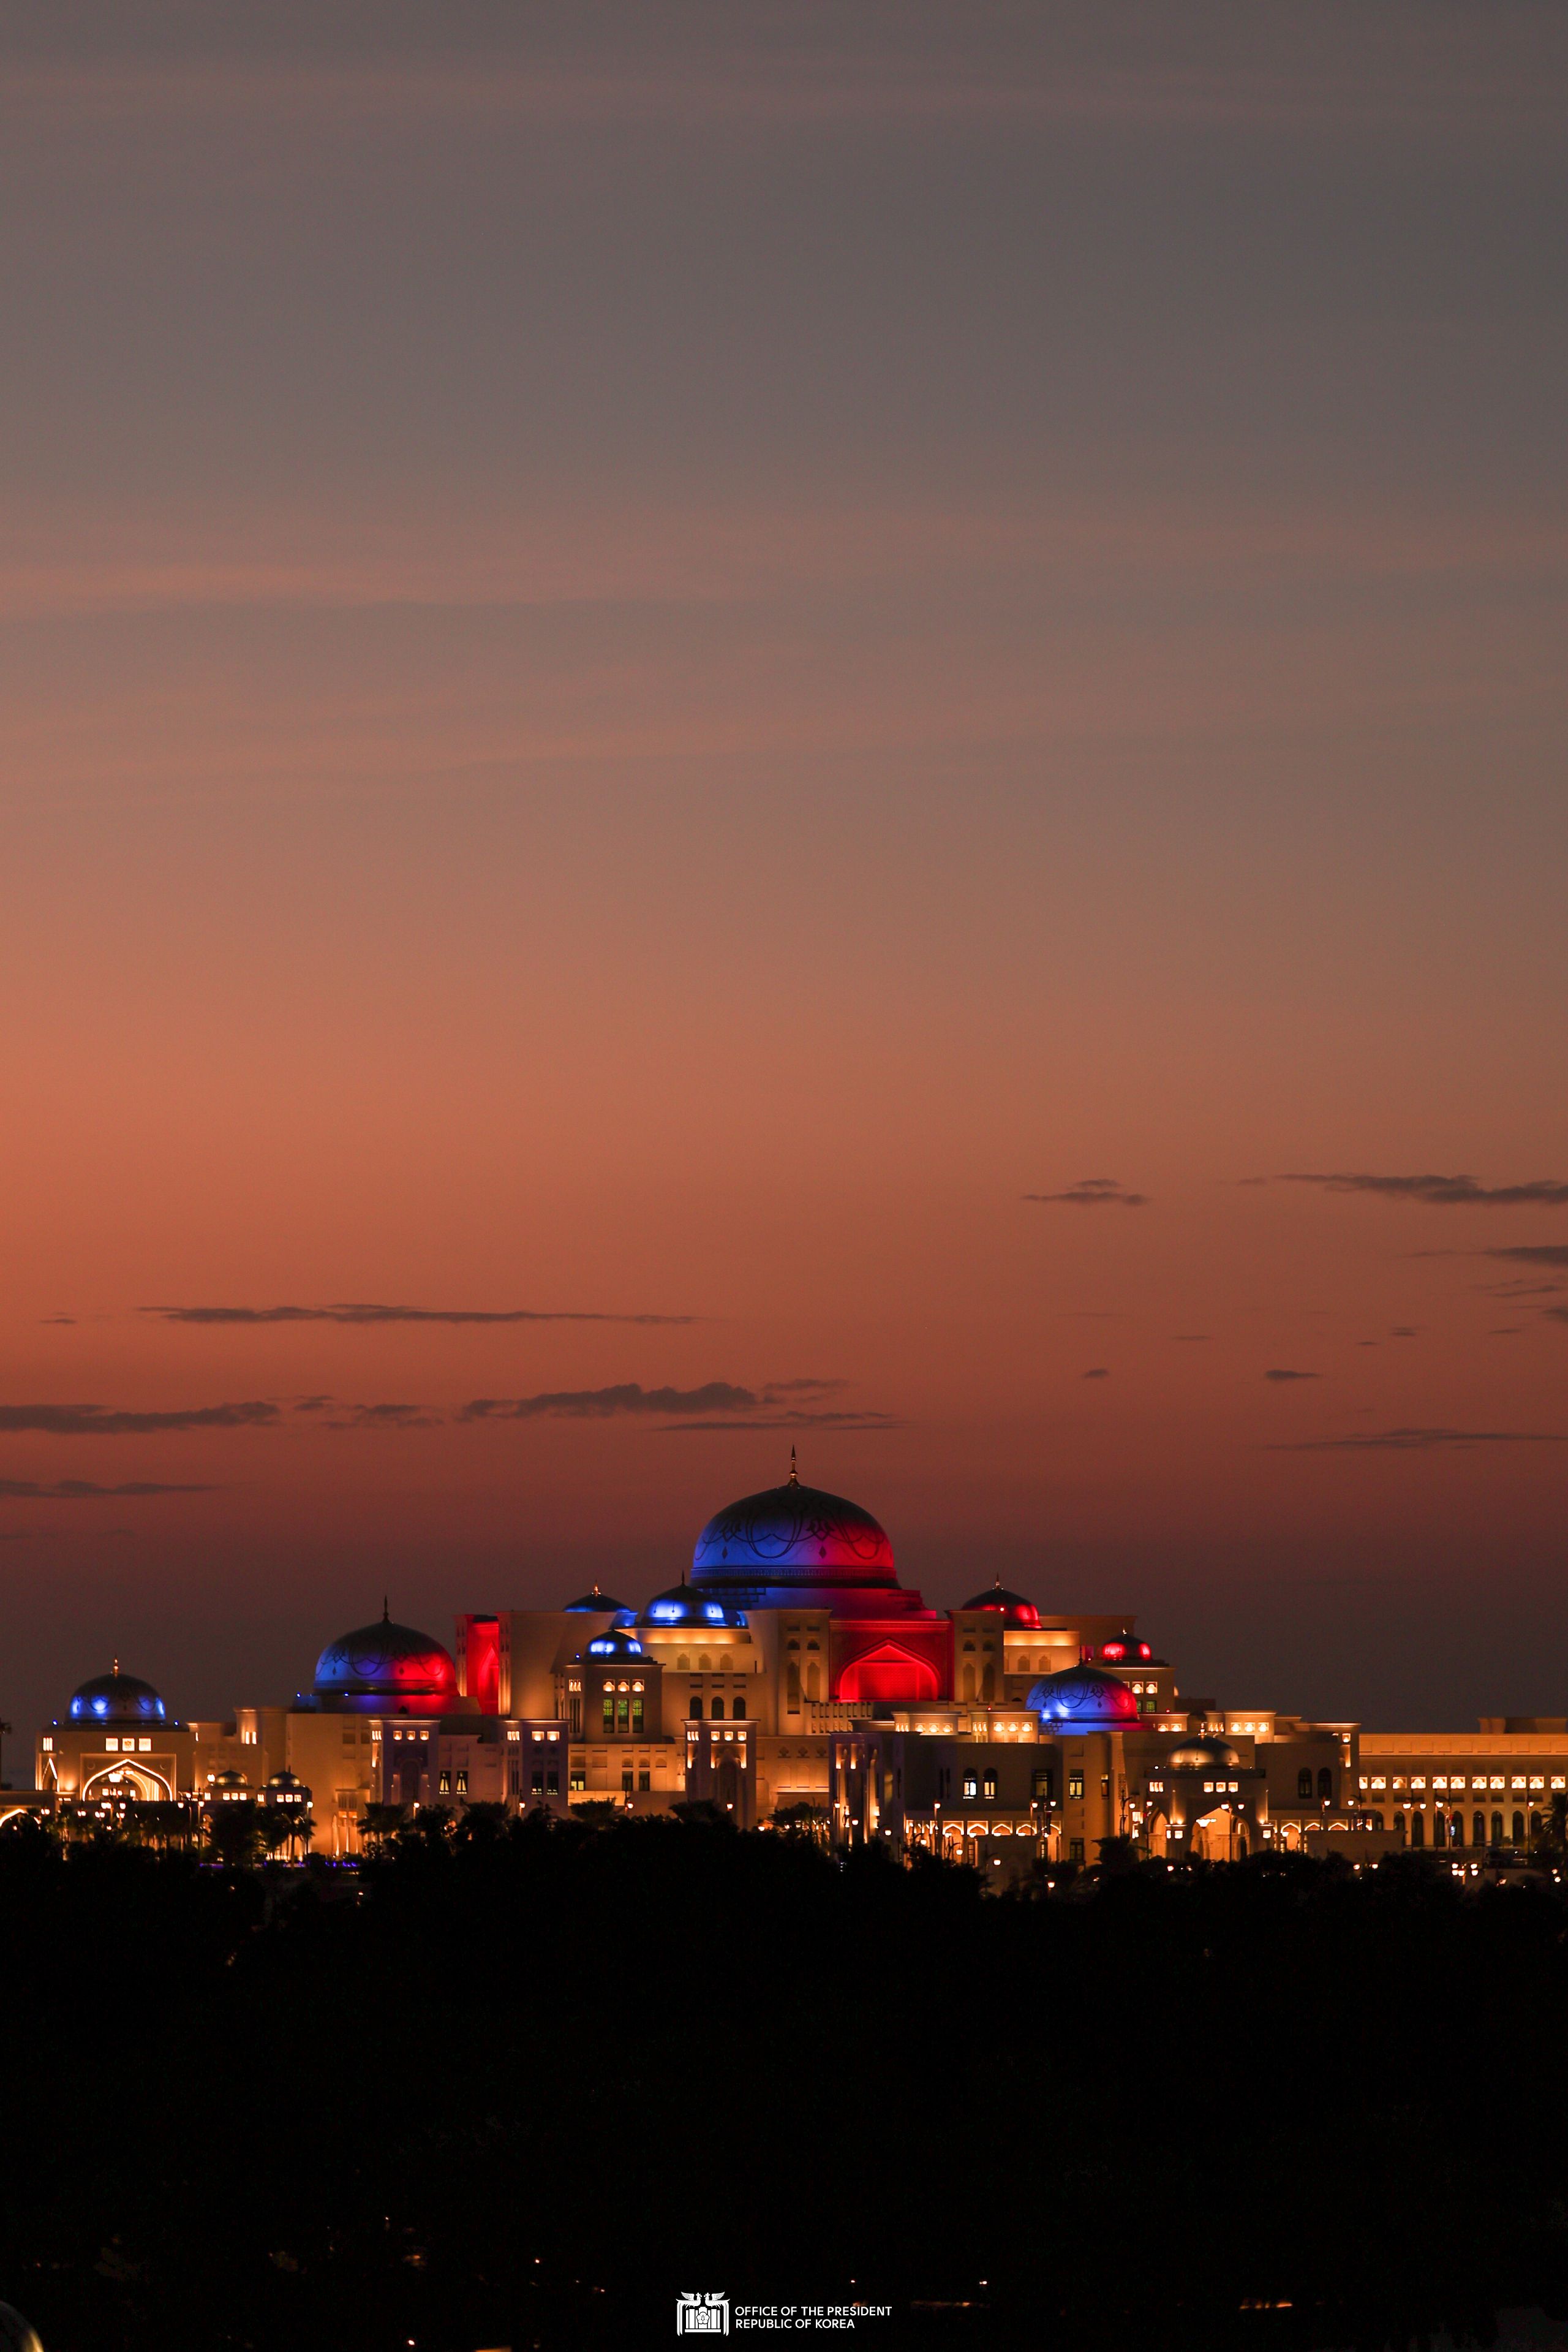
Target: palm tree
<point>276,1828</point>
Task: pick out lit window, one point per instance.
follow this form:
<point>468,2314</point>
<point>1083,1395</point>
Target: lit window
<point>1419,1784</point>
<point>113,1743</point>
<point>145,1744</point>
<point>1362,1782</point>
<point>1379,1782</point>
<point>1439,1780</point>
<point>1537,1780</point>
<point>1495,1782</point>
<point>1558,1781</point>
<point>989,1784</point>
<point>444,1788</point>
<point>1075,1784</point>
<point>461,1784</point>
<point>972,1786</point>
<point>1398,1783</point>
<point>1518,1781</point>
<point>49,1743</point>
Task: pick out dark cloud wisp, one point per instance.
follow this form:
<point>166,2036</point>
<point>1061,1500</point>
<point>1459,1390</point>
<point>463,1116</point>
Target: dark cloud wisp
<point>1094,1193</point>
<point>628,1398</point>
<point>102,1421</point>
<point>1442,1191</point>
<point>1424,1441</point>
<point>84,1490</point>
<point>1281,1373</point>
<point>360,1313</point>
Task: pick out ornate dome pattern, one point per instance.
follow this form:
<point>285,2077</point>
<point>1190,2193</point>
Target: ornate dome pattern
<point>387,1669</point>
<point>1081,1698</point>
<point>793,1535</point>
<point>118,1699</point>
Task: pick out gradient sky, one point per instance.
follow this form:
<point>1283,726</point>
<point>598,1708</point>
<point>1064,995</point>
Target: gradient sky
<point>656,661</point>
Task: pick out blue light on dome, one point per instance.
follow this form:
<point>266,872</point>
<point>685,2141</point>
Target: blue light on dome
<point>667,1611</point>
<point>713,1613</point>
<point>100,1707</point>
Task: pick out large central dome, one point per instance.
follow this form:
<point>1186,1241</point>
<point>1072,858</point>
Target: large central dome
<point>793,1535</point>
<point>386,1669</point>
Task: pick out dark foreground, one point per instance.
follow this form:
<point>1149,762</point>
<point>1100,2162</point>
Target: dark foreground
<point>528,2088</point>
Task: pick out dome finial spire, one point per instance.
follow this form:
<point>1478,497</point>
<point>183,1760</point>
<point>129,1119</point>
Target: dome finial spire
<point>115,1668</point>
<point>794,1473</point>
<point>386,1610</point>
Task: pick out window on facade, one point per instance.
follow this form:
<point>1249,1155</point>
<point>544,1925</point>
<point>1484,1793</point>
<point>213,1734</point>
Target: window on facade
<point>1519,1829</point>
<point>1417,1829</point>
<point>1045,1785</point>
<point>637,1714</point>
<point>989,1785</point>
<point>738,1709</point>
<point>792,1686</point>
<point>1075,1849</point>
<point>623,1713</point>
<point>462,1783</point>
<point>552,1784</point>
<point>609,1710</point>
<point>1496,1829</point>
<point>626,1784</point>
<point>1325,1785</point>
<point>445,1787</point>
<point>644,1777</point>
<point>972,1786</point>
<point>578,1777</point>
<point>1481,1829</point>
<point>1075,1784</point>
<point>695,1708</point>
<point>536,1783</point>
<point>1104,1784</point>
<point>718,1710</point>
<point>1304,1784</point>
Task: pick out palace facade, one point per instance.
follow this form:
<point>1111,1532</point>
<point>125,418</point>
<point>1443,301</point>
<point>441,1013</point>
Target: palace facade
<point>790,1674</point>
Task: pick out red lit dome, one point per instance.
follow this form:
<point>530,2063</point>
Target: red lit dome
<point>1125,1651</point>
<point>1012,1607</point>
<point>386,1669</point>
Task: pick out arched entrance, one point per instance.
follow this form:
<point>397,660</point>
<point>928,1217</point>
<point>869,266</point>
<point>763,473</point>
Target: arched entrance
<point>888,1672</point>
<point>133,1784</point>
<point>1218,1837</point>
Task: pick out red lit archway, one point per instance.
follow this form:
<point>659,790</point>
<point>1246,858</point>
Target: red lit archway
<point>888,1672</point>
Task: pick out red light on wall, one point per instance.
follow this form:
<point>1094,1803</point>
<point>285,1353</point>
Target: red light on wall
<point>479,1652</point>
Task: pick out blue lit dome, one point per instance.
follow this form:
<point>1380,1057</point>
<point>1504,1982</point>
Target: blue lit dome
<point>683,1605</point>
<point>618,1642</point>
<point>594,1603</point>
<point>386,1669</point>
<point>118,1699</point>
<point>793,1535</point>
<point>1081,1698</point>
<point>1203,1756</point>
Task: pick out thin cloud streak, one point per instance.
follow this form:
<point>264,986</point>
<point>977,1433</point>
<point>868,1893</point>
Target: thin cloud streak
<point>358,1313</point>
<point>1093,1193</point>
<point>629,1398</point>
<point>1423,1440</point>
<point>102,1421</point>
<point>85,1490</point>
<point>1443,1191</point>
<point>1283,1372</point>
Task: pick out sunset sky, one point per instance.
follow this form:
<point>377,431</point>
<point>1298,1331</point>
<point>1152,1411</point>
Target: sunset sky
<point>864,708</point>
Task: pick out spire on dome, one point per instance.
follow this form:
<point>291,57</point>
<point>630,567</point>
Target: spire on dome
<point>794,1473</point>
<point>386,1611</point>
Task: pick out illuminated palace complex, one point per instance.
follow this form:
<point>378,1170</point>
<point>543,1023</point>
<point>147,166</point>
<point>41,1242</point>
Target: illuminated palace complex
<point>791,1669</point>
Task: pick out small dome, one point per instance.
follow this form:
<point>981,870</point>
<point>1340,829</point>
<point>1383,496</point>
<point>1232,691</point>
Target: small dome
<point>793,1535</point>
<point>1013,1608</point>
<point>594,1603</point>
<point>683,1605</point>
<point>1082,1698</point>
<point>387,1669</point>
<point>1203,1756</point>
<point>618,1642</point>
<point>286,1788</point>
<point>16,2334</point>
<point>1123,1650</point>
<point>117,1699</point>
